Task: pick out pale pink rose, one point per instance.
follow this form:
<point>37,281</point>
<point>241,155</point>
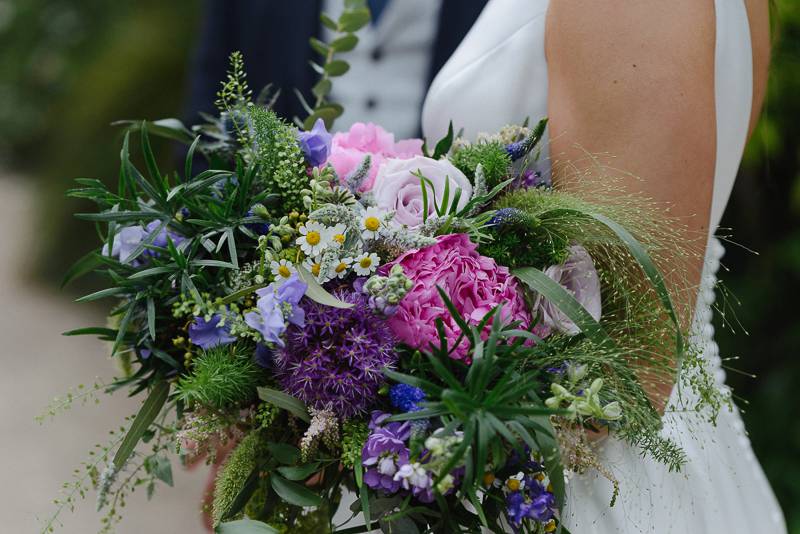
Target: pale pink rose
<point>474,283</point>
<point>349,149</point>
<point>398,188</point>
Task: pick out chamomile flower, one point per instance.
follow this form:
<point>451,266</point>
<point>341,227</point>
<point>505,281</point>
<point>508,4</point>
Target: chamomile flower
<point>282,269</point>
<point>371,223</point>
<point>341,267</point>
<point>314,238</point>
<point>366,263</point>
<point>337,234</point>
<point>314,266</point>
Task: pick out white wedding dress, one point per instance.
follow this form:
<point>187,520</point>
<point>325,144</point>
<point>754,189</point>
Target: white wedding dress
<point>498,76</point>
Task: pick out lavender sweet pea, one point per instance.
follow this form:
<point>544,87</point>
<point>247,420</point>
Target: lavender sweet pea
<point>578,276</point>
<point>276,305</point>
<point>209,334</point>
<point>316,144</point>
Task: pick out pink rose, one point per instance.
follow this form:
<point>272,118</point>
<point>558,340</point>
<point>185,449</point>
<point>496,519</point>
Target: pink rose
<point>349,149</point>
<point>474,283</point>
<point>397,188</point>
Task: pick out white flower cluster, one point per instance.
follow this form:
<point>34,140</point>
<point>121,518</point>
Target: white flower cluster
<point>340,247</point>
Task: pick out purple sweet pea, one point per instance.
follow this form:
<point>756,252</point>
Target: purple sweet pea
<point>130,237</point>
<point>290,292</point>
<point>276,305</point>
<point>208,334</point>
<point>316,144</point>
<point>268,320</point>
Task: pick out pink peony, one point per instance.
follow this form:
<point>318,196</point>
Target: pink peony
<point>475,284</point>
<point>349,149</point>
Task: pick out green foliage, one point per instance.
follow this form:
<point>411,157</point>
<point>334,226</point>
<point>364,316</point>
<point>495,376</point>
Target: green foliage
<point>279,157</point>
<point>355,16</point>
<point>221,377</point>
<point>491,155</point>
<point>522,241</point>
<point>494,402</point>
<point>354,435</point>
<point>234,474</point>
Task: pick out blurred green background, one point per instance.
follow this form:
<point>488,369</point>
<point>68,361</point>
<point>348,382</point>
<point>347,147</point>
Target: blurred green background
<point>69,68</point>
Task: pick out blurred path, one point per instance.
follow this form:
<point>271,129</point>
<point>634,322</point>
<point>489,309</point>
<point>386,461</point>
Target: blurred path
<point>37,364</point>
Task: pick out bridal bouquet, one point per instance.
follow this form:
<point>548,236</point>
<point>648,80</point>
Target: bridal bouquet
<point>345,320</point>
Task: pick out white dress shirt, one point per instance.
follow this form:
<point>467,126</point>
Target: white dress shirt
<point>388,75</point>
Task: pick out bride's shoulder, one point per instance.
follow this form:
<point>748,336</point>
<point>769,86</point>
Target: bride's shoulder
<point>634,43</point>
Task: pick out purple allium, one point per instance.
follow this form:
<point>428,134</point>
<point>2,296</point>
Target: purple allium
<point>405,397</point>
<point>316,144</point>
<point>208,334</point>
<point>276,305</point>
<point>385,453</point>
<point>336,361</point>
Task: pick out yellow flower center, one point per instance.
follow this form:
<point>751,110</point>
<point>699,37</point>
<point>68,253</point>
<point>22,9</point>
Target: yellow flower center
<point>284,271</point>
<point>366,262</point>
<point>372,224</point>
<point>341,267</point>
<point>550,526</point>
<point>313,238</point>
<point>513,484</point>
<point>488,479</point>
<point>315,269</point>
<point>339,238</point>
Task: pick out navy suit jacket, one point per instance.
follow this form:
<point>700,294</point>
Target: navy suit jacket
<point>273,36</point>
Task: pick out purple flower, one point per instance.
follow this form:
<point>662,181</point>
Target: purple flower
<point>125,242</point>
<point>290,292</point>
<point>529,179</point>
<point>336,360</point>
<point>385,453</point>
<point>264,356</point>
<point>208,334</point>
<point>130,237</point>
<point>417,479</point>
<point>275,306</point>
<point>531,502</point>
<point>578,276</point>
<point>316,144</point>
<point>405,397</point>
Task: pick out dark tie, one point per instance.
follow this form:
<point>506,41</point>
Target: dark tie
<point>377,7</point>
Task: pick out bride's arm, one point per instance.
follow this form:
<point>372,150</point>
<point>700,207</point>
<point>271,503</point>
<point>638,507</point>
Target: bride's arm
<point>635,79</point>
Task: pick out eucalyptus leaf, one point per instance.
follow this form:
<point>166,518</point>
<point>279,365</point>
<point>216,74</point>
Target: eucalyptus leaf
<point>345,43</point>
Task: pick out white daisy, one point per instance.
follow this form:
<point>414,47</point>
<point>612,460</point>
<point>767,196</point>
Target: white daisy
<point>314,238</point>
<point>337,234</point>
<point>282,269</point>
<point>314,266</point>
<point>341,267</point>
<point>366,263</point>
<point>371,223</point>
